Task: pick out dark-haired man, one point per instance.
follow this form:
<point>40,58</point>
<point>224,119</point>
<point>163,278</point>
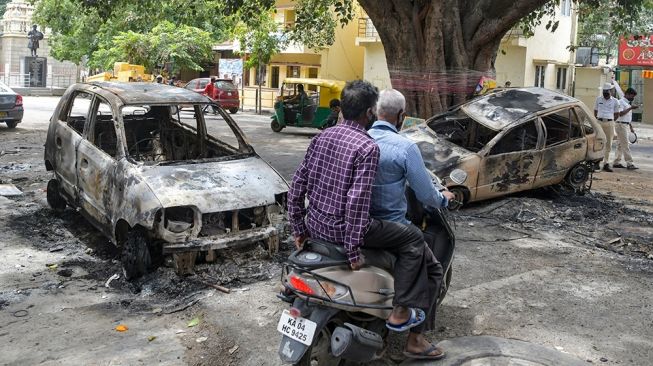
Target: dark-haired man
<point>623,125</point>
<point>336,176</point>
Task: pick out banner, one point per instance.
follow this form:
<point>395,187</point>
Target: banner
<point>231,69</point>
<point>636,52</point>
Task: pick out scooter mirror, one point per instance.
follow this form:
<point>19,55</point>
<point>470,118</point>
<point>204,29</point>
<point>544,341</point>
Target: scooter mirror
<point>458,176</point>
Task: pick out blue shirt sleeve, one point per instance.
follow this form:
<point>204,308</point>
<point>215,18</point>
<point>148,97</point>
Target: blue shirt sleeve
<point>420,180</point>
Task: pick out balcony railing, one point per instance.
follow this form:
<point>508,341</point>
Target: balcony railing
<point>366,29</point>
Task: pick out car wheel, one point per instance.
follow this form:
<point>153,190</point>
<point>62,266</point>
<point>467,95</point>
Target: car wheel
<point>579,176</point>
<point>136,259</point>
<point>54,197</point>
<point>461,198</point>
<point>12,124</point>
<point>233,110</point>
<point>276,127</point>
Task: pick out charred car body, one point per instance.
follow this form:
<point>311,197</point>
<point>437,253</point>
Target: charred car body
<point>512,140</point>
<point>151,177</point>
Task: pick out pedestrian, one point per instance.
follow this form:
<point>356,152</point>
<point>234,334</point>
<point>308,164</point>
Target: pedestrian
<point>507,84</point>
<point>606,110</point>
<point>172,81</point>
<point>159,79</point>
<point>623,125</point>
<point>401,162</point>
<point>336,177</point>
<point>209,91</point>
<point>334,116</point>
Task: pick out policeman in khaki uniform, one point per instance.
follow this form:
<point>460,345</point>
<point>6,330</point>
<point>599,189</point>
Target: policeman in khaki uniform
<point>606,111</point>
<point>623,125</point>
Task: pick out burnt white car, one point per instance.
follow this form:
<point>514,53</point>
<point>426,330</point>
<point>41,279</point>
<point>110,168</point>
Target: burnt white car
<point>151,177</point>
<point>510,141</point>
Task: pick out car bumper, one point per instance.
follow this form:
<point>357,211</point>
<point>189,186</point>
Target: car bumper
<point>229,103</point>
<point>222,241</point>
<point>15,114</point>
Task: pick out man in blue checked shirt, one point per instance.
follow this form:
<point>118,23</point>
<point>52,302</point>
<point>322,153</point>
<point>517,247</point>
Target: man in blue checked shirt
<point>400,161</point>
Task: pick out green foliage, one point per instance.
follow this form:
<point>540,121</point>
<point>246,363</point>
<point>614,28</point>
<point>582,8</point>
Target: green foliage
<point>260,38</point>
<point>180,46</point>
<point>315,21</point>
<point>3,5</point>
<point>602,24</point>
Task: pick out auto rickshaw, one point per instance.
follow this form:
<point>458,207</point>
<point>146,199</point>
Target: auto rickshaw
<point>307,109</point>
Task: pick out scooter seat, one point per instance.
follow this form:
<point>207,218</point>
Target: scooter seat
<point>318,253</point>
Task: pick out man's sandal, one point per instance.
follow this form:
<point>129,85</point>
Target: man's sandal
<point>417,317</point>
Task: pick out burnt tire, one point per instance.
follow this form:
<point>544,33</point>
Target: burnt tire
<point>135,255</point>
<point>56,201</point>
<point>233,110</point>
<point>578,176</point>
<point>12,124</point>
<point>275,125</point>
<point>461,198</point>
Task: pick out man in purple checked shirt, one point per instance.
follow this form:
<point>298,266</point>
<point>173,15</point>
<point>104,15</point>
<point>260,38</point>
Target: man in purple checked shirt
<point>336,176</point>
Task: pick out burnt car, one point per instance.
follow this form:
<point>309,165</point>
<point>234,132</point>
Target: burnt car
<point>153,180</point>
<point>510,141</point>
<point>11,106</point>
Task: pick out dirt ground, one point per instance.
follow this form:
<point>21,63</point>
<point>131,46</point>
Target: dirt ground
<point>568,272</point>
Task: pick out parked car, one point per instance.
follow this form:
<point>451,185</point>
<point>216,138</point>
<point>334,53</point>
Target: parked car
<point>151,177</point>
<point>11,106</point>
<point>512,140</point>
<point>226,94</point>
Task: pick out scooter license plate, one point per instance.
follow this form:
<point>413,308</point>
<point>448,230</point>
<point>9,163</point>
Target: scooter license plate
<point>300,329</point>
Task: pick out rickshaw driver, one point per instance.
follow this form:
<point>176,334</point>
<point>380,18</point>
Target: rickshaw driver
<point>296,104</point>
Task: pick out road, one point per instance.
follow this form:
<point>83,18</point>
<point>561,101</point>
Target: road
<point>532,267</point>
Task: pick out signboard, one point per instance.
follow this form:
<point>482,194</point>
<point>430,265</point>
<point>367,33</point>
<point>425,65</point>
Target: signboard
<point>231,69</point>
<point>636,52</point>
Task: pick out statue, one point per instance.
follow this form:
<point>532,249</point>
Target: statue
<point>34,37</point>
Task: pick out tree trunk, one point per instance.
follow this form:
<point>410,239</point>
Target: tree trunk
<point>437,50</point>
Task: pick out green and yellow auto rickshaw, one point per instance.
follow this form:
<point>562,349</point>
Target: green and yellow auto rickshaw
<point>305,102</point>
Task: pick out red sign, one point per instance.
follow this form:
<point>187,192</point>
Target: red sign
<point>636,52</point>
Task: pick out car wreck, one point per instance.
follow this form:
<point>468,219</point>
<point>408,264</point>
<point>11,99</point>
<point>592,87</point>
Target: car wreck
<point>510,141</point>
<point>153,180</point>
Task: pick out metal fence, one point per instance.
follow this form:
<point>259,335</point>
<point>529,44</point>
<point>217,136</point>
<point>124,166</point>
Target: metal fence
<point>24,80</point>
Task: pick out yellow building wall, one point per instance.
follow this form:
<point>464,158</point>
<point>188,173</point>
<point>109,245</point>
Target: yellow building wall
<point>376,66</point>
<point>511,66</point>
<point>343,60</point>
<point>588,84</point>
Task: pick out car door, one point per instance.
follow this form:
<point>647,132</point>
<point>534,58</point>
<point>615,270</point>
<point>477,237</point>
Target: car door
<point>512,161</point>
<point>96,163</point>
<point>71,123</point>
<point>565,145</point>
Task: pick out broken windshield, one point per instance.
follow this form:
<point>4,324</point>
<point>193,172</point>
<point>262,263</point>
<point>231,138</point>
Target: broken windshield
<point>158,134</point>
<point>462,130</point>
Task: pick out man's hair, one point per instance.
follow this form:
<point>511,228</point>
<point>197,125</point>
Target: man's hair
<point>300,87</point>
<point>334,103</point>
<point>213,79</point>
<point>356,98</point>
<point>390,103</point>
<point>631,91</point>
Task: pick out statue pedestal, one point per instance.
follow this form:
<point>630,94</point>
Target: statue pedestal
<point>36,68</point>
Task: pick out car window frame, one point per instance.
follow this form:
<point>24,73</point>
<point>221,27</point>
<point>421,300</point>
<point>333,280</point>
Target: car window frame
<point>89,134</point>
<point>546,131</point>
<point>65,112</point>
<point>538,127</point>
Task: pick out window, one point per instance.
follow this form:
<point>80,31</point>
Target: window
<point>78,111</point>
<point>274,77</point>
<point>292,71</point>
<point>539,75</point>
<point>312,73</point>
<point>561,78</point>
<point>584,120</point>
<point>521,138</point>
<point>203,83</point>
<point>565,7</point>
<point>104,131</point>
<point>557,127</point>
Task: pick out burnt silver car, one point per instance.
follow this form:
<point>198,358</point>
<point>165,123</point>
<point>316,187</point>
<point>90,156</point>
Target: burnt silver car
<point>11,106</point>
<point>510,141</point>
<point>152,178</point>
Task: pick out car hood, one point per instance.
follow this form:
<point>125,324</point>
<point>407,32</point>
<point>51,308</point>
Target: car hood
<point>215,186</point>
<point>440,156</point>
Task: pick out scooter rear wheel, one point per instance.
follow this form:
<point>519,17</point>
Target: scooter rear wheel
<point>319,353</point>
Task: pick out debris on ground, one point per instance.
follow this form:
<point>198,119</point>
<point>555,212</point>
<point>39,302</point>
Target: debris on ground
<point>121,328</point>
<point>9,190</point>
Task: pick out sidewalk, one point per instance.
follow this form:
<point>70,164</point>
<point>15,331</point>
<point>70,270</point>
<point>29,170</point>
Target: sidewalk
<point>644,131</point>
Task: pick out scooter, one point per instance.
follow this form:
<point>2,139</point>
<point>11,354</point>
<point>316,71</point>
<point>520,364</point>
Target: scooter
<point>338,314</point>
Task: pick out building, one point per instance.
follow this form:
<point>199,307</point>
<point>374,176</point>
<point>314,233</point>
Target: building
<point>15,23</point>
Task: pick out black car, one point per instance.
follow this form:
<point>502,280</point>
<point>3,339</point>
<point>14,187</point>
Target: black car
<point>11,106</point>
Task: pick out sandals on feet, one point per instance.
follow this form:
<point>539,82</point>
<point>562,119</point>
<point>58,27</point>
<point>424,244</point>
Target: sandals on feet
<point>426,354</point>
<point>417,317</point>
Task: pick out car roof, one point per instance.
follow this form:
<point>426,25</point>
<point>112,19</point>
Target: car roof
<point>150,93</point>
<point>501,109</point>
